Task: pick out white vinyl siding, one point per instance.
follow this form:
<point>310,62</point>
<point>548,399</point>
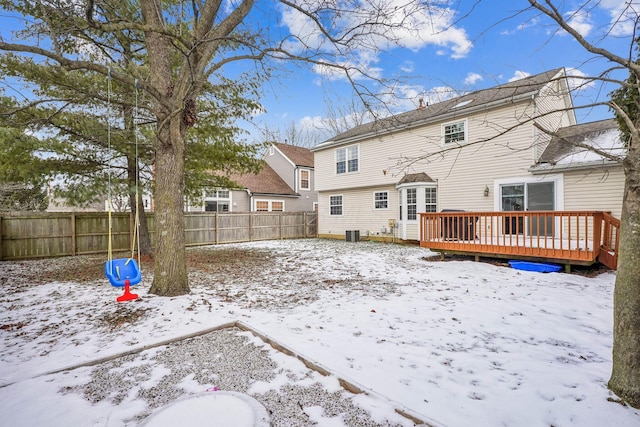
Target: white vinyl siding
<point>357,212</point>
<point>461,174</point>
<point>601,190</point>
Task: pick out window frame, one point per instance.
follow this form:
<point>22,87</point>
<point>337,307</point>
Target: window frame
<point>301,180</point>
<point>405,192</point>
<point>376,200</point>
<point>412,212</point>
<point>221,197</point>
<point>331,205</point>
<point>446,134</point>
<point>269,205</point>
<point>349,155</point>
<point>431,200</point>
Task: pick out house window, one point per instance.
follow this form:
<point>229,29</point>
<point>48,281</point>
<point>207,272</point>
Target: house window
<point>269,206</point>
<point>529,194</point>
<point>335,205</point>
<point>454,132</point>
<point>305,183</point>
<point>412,204</point>
<point>430,200</point>
<point>381,200</point>
<point>347,159</point>
<point>217,200</point>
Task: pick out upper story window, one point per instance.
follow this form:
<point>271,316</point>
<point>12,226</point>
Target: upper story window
<point>454,132</point>
<point>305,181</point>
<point>347,159</point>
<point>381,200</point>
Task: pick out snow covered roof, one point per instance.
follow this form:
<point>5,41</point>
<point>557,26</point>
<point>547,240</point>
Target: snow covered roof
<point>570,147</point>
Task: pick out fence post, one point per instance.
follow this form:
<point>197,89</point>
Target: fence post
<point>304,224</point>
<point>251,226</point>
<point>73,234</point>
<point>0,237</point>
<point>217,225</point>
<point>280,225</point>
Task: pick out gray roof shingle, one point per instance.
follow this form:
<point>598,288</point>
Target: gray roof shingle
<point>455,107</point>
<point>300,156</point>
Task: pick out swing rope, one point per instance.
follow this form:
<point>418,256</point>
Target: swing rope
<point>135,240</point>
<point>109,206</point>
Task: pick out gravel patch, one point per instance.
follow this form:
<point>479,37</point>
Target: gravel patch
<point>229,360</point>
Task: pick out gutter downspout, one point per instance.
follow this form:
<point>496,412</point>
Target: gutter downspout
<point>250,199</point>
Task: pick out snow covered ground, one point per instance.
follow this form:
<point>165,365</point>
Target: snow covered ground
<point>455,343</point>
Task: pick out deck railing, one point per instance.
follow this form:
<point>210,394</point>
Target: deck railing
<point>574,237</point>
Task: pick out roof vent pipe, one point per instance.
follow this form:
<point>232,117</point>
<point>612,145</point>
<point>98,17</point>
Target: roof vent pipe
<point>421,104</point>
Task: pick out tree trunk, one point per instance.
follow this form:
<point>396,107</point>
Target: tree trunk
<point>170,271</point>
<point>625,377</point>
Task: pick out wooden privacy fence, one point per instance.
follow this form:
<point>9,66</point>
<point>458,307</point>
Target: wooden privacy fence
<point>38,235</point>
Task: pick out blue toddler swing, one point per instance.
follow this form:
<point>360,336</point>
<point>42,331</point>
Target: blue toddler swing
<point>123,272</point>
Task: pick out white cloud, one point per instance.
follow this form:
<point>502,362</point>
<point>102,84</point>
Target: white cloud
<point>519,75</point>
<point>403,24</point>
<point>407,67</point>
<point>472,78</point>
<point>578,82</point>
<point>580,20</point>
<point>623,14</point>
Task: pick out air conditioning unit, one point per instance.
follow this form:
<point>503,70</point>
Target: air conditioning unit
<point>352,235</point>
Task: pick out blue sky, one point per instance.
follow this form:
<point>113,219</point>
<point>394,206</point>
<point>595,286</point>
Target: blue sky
<point>467,46</point>
<point>491,44</point>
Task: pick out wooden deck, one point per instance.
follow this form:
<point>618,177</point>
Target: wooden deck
<point>565,237</point>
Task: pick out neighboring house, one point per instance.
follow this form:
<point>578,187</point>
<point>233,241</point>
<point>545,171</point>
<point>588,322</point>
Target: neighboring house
<point>285,183</point>
<point>474,152</point>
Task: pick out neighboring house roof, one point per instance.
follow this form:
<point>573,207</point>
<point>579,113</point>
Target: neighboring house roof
<point>267,181</point>
<point>449,109</point>
<point>411,178</point>
<point>568,149</point>
<point>300,156</point>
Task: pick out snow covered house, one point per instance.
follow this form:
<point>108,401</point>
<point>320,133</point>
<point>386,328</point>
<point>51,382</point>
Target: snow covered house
<point>485,151</point>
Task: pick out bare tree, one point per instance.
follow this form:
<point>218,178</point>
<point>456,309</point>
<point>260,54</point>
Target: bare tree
<point>625,378</point>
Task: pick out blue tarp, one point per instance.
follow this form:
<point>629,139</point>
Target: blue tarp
<point>535,266</point>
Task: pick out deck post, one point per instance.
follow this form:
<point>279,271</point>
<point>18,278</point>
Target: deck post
<point>567,268</point>
<point>442,256</point>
